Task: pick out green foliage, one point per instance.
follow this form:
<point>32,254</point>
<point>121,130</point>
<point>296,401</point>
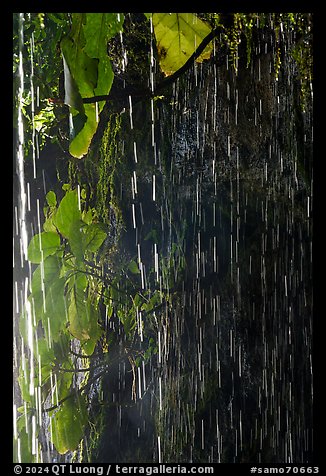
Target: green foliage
<point>68,424</point>
<point>43,245</point>
<point>88,72</point>
<point>42,33</point>
<point>64,306</point>
<point>177,37</point>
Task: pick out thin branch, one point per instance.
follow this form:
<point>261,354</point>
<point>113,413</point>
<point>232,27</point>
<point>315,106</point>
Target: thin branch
<point>73,371</point>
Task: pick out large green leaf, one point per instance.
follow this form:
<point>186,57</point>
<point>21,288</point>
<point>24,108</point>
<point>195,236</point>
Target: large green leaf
<point>133,267</point>
<point>68,214</point>
<point>43,277</point>
<point>68,424</point>
<point>178,35</point>
<point>43,245</point>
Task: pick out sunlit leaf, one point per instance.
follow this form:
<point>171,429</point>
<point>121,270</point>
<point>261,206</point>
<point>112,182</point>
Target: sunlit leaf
<point>68,424</point>
<point>76,239</point>
<point>178,35</point>
<point>82,80</point>
<point>43,245</point>
<point>99,29</point>
<point>82,68</point>
<point>89,345</point>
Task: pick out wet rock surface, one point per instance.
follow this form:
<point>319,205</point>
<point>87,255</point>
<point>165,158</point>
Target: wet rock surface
<point>234,380</point>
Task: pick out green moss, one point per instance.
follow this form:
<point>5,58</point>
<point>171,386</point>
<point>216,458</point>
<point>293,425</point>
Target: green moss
<point>109,158</point>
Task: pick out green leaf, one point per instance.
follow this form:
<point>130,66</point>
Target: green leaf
<point>82,68</point>
<point>89,345</point>
<point>49,225</point>
<point>98,30</point>
<point>94,237</point>
<point>81,313</point>
<point>133,267</point>
<point>153,302</point>
<point>128,320</point>
<point>64,380</point>
<point>67,214</point>
<point>47,272</point>
<point>55,314</point>
<point>25,447</point>
<point>178,35</point>
<point>81,83</point>
<point>88,71</point>
<point>47,357</point>
<point>83,137</point>
<point>43,245</point>
<point>87,217</point>
<point>76,240</point>
<point>43,277</point>
<point>61,346</point>
<point>24,380</point>
<point>51,199</point>
<point>68,424</point>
